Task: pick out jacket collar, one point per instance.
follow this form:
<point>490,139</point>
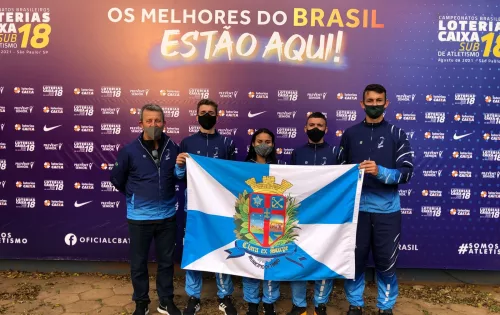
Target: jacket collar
<point>253,161</point>
<point>208,135</point>
<point>374,125</point>
<point>317,145</point>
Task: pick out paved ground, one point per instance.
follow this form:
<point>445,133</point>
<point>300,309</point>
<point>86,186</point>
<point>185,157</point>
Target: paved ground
<point>70,294</point>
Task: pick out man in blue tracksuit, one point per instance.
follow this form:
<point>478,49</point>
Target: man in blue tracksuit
<point>144,172</point>
<point>315,152</point>
<point>207,142</point>
<point>384,152</point>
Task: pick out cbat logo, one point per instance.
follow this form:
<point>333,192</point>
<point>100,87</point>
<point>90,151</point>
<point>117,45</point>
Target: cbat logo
<point>266,224</point>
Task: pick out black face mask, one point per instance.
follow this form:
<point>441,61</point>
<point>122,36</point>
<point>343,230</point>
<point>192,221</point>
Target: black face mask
<point>207,121</point>
<point>374,112</point>
<point>315,135</point>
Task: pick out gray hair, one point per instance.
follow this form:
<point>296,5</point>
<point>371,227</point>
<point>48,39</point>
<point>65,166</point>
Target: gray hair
<point>154,108</point>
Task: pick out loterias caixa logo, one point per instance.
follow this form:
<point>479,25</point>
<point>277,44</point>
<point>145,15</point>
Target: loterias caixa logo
<point>266,223</point>
<point>24,31</point>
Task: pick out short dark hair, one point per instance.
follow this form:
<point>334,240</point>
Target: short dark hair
<point>209,102</point>
<point>154,108</point>
<point>317,115</point>
<point>375,88</point>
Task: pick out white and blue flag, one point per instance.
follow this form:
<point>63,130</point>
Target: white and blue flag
<point>271,222</point>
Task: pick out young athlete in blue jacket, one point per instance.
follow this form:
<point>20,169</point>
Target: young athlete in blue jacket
<point>384,152</point>
<point>315,152</point>
<point>207,142</point>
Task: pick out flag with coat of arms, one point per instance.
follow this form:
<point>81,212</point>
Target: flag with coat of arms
<point>271,222</point>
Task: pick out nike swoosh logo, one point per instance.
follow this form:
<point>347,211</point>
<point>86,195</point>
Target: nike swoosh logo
<point>78,205</point>
<point>45,128</point>
<point>455,137</point>
<point>250,115</point>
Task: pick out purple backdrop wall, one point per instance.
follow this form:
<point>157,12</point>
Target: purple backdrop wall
<point>73,77</point>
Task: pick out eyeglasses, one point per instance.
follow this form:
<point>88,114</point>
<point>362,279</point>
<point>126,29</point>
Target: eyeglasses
<point>154,153</point>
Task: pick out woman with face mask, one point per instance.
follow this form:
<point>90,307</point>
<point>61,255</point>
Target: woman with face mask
<point>262,150</point>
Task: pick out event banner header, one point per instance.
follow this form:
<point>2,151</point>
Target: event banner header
<point>295,48</point>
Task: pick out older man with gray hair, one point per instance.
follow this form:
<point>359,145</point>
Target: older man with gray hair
<point>144,173</point>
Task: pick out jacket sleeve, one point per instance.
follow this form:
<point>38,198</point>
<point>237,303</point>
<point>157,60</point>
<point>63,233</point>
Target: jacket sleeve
<point>404,162</point>
<point>293,158</point>
<point>180,172</point>
<point>119,173</point>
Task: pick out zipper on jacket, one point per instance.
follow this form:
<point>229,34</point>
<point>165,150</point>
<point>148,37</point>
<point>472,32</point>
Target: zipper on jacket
<point>371,144</point>
<point>315,154</point>
<point>157,166</point>
<point>207,143</point>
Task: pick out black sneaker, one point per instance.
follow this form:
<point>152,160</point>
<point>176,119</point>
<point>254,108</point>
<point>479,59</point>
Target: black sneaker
<point>193,306</point>
<point>253,309</point>
<point>169,308</point>
<point>226,305</point>
<point>355,310</point>
<point>385,312</point>
<point>269,309</point>
<point>297,310</point>
<point>141,308</point>
<point>320,310</point>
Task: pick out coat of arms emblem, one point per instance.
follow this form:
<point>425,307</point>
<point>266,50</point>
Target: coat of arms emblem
<point>266,221</point>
